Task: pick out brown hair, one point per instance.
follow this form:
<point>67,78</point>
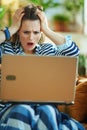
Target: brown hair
<point>29,14</point>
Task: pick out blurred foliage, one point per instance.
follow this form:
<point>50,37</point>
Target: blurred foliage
<point>73,5</point>
<point>82,65</point>
<point>69,12</point>
<point>45,3</point>
<point>82,60</point>
<point>60,17</point>
<point>3,11</point>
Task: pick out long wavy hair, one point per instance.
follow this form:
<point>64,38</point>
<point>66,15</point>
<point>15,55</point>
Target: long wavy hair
<point>29,14</point>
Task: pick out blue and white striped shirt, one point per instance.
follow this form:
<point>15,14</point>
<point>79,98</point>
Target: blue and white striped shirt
<point>67,49</point>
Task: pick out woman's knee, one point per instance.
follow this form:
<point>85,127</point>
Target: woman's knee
<point>47,117</point>
<point>18,116</point>
<point>21,112</point>
<point>46,109</point>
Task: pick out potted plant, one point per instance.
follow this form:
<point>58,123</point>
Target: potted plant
<point>60,22</point>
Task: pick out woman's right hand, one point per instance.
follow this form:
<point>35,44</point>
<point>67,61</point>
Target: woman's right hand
<point>16,20</point>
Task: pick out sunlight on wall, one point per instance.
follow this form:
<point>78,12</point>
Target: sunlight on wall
<point>5,2</point>
<point>14,4</point>
<point>85,16</point>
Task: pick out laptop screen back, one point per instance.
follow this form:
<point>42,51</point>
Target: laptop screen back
<point>38,78</point>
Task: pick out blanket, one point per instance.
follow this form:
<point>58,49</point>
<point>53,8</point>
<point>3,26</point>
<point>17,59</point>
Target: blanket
<point>36,117</point>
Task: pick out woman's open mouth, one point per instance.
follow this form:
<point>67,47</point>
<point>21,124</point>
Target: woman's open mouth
<point>30,44</point>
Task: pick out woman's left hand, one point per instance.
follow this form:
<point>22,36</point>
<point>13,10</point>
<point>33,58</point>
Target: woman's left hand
<point>56,38</point>
<point>44,23</point>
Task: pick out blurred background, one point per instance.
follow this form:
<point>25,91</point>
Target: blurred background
<point>64,16</point>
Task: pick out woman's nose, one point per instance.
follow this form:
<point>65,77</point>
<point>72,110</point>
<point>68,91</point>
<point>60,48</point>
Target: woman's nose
<point>30,36</point>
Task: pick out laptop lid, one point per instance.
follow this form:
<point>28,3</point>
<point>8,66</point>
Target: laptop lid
<point>38,78</point>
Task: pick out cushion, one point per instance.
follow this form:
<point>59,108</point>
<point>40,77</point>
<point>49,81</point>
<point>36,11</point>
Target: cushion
<point>79,110</point>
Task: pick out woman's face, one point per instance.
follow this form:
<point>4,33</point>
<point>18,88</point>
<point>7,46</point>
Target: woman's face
<point>29,35</point>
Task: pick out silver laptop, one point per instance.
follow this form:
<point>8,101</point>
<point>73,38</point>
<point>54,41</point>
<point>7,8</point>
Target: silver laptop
<point>43,79</point>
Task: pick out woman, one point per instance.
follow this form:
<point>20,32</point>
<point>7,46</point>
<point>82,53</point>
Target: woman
<point>24,37</point>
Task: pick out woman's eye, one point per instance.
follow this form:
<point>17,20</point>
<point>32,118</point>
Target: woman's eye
<point>36,32</point>
<point>26,32</point>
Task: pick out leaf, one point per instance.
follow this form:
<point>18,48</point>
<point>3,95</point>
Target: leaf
<point>2,11</point>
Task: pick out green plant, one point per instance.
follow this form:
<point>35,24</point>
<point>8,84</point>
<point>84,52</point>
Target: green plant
<point>73,7</point>
<point>3,11</point>
<point>82,60</point>
<point>60,17</point>
<point>60,22</point>
<point>82,65</point>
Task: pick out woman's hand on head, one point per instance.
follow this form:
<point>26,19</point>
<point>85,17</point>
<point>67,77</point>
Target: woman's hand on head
<point>43,19</point>
<point>16,20</point>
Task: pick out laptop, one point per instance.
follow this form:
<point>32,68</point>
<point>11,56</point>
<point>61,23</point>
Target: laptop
<point>38,79</point>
